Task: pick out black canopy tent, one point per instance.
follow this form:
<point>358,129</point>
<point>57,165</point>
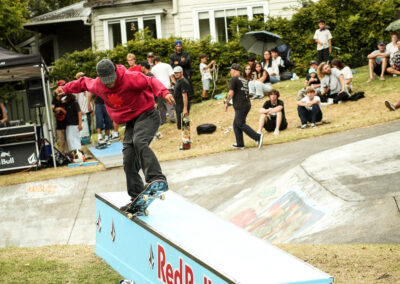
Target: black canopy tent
<point>18,67</point>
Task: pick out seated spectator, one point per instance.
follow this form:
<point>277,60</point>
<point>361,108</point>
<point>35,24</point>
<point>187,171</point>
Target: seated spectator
<point>346,71</point>
<point>378,61</point>
<point>332,84</point>
<point>272,68</point>
<point>277,64</point>
<point>392,46</point>
<point>272,116</point>
<point>252,63</point>
<point>261,84</point>
<point>392,107</point>
<point>248,73</point>
<point>309,109</point>
<point>312,80</point>
<point>395,62</point>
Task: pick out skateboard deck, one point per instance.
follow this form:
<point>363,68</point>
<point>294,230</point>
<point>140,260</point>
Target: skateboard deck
<point>186,142</point>
<point>322,122</point>
<point>101,145</point>
<point>152,191</point>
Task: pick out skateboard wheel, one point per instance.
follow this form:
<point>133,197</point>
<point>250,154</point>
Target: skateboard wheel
<point>162,197</point>
<point>130,216</point>
<point>145,197</point>
<point>146,212</point>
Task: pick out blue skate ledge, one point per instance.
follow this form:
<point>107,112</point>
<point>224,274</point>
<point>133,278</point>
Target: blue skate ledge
<point>180,242</point>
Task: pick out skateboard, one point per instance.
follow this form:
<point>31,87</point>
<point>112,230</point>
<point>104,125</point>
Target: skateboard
<point>186,143</point>
<point>317,123</point>
<point>152,191</point>
<point>102,144</point>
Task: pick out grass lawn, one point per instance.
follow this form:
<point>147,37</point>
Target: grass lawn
<point>363,113</point>
<point>79,264</point>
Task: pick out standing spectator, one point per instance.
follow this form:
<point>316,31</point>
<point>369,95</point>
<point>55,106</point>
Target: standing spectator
<point>395,62</point>
<point>164,72</point>
<point>277,65</point>
<point>103,120</point>
<point>378,61</point>
<point>83,101</point>
<point>146,69</point>
<point>332,83</point>
<point>392,46</point>
<point>130,99</point>
<point>181,95</point>
<point>323,38</point>
<point>74,123</point>
<point>131,58</point>
<point>272,114</point>
<point>261,84</point>
<point>150,59</point>
<point>248,74</point>
<point>252,63</point>
<point>309,109</point>
<point>3,113</point>
<point>205,71</point>
<point>182,58</point>
<point>346,71</point>
<point>312,80</point>
<point>239,94</point>
<point>60,112</point>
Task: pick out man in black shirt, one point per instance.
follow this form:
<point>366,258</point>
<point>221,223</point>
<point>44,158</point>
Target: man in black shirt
<point>181,95</point>
<point>60,112</point>
<point>239,93</point>
<point>272,116</point>
<point>182,58</point>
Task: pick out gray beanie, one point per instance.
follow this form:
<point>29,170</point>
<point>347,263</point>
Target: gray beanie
<point>106,71</point>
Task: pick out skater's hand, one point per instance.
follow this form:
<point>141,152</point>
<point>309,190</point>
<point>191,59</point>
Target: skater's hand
<point>226,106</point>
<point>185,112</point>
<point>80,127</point>
<point>59,91</point>
<point>169,98</point>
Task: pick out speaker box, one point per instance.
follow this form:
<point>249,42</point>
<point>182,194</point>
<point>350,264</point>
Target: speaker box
<point>34,92</point>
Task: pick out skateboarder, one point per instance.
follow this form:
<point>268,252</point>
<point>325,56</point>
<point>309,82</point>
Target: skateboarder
<point>129,98</point>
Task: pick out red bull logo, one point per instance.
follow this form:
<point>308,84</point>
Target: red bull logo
<point>181,275</point>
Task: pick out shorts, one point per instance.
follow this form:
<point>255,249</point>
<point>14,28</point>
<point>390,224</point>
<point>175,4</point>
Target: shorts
<point>270,124</point>
<point>378,69</point>
<point>206,84</point>
<point>103,120</point>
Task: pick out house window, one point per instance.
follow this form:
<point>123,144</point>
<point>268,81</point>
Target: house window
<point>114,33</point>
<point>216,21</point>
<point>132,27</point>
<point>151,25</point>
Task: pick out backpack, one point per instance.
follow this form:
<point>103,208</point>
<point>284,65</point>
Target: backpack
<point>206,128</point>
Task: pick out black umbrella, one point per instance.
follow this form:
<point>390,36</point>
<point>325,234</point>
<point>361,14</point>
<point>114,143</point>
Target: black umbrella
<point>260,41</point>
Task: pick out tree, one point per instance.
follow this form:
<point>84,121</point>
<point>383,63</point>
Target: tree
<point>13,13</point>
<point>39,7</point>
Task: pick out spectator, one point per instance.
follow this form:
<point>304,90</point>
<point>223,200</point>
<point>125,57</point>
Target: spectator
<point>83,101</point>
<point>146,68</point>
<point>392,107</point>
<point>131,58</point>
<point>309,109</point>
<point>395,62</point>
<point>266,63</point>
<point>248,75</point>
<point>252,63</point>
<point>345,71</point>
<point>164,72</point>
<point>261,84</point>
<point>332,84</point>
<point>103,120</point>
<point>378,61</point>
<point>313,65</point>
<point>392,46</point>
<point>277,65</point>
<point>182,58</point>
<point>312,80</point>
<point>238,93</point>
<point>74,123</point>
<point>205,71</point>
<point>323,38</point>
<point>60,112</point>
<point>181,95</point>
<point>272,116</point>
<point>150,59</point>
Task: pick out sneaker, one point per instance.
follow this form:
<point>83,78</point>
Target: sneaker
<point>304,126</point>
<point>260,141</point>
<point>394,75</point>
<point>237,147</point>
<point>276,132</point>
<point>330,101</point>
<point>390,106</point>
<point>114,136</point>
<point>159,135</point>
<point>313,125</point>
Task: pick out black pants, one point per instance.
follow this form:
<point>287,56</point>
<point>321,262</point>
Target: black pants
<point>138,155</point>
<point>178,112</point>
<point>312,116</point>
<point>323,55</point>
<point>240,126</point>
<point>344,96</point>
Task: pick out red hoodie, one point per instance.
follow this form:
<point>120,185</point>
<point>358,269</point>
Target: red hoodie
<point>131,96</point>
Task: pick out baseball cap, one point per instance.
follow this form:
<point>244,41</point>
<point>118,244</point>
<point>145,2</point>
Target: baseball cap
<point>313,62</point>
<point>236,67</point>
<point>312,70</point>
<point>61,83</point>
<point>150,54</point>
<point>178,42</point>
<point>106,71</point>
<point>381,42</point>
<point>178,69</point>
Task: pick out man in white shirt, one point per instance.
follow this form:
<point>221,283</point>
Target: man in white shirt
<point>323,38</point>
<point>392,46</point>
<point>277,63</point>
<point>378,62</point>
<point>309,108</point>
<point>165,74</point>
<point>83,101</point>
